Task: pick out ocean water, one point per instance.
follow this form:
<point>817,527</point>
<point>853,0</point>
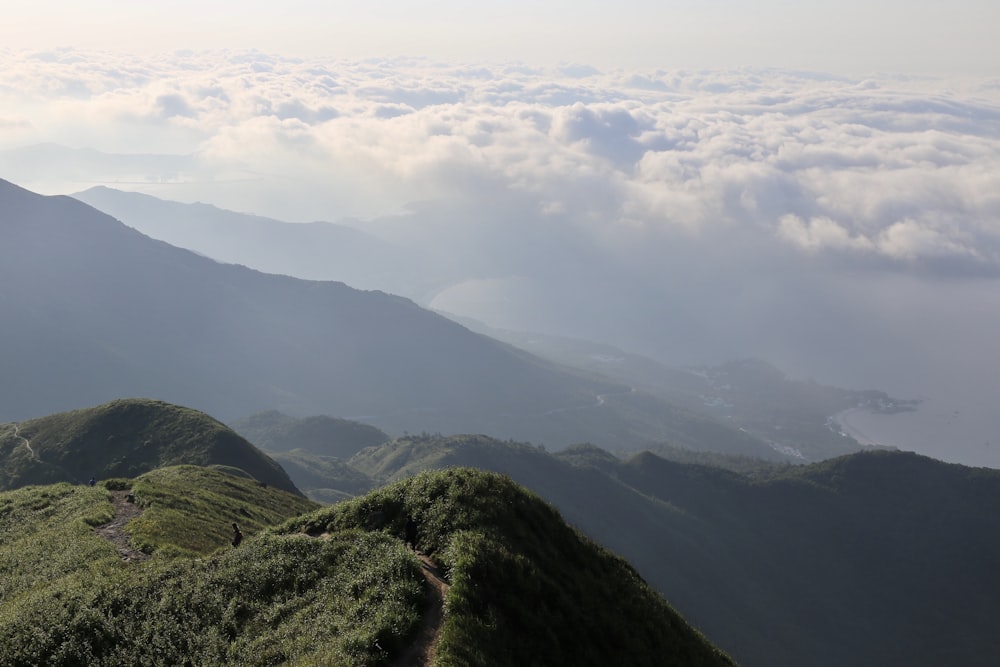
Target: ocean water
<point>955,429</point>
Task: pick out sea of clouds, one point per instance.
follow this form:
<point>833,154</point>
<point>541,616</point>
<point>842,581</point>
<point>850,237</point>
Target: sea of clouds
<point>846,228</point>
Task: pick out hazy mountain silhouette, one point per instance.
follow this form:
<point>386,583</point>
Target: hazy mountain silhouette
<point>314,251</point>
<point>97,311</point>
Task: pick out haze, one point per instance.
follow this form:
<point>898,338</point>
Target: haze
<point>817,185</point>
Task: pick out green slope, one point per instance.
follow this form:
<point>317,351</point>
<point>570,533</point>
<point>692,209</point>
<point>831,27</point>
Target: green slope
<point>66,598</point>
<point>124,438</point>
<point>874,558</point>
<point>525,588</point>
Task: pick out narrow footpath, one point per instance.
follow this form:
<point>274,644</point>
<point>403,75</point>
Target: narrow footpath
<point>26,442</point>
<point>114,531</point>
<point>424,648</point>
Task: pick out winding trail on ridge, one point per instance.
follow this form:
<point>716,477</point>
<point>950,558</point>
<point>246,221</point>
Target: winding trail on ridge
<point>114,530</point>
<point>424,648</point>
<point>27,443</point>
<point>33,455</point>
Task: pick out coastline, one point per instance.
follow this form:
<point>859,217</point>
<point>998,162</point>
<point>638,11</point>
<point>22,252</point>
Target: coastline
<point>960,429</point>
<point>843,421</point>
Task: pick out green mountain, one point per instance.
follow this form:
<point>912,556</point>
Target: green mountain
<point>335,586</point>
<point>125,438</point>
<point>874,558</point>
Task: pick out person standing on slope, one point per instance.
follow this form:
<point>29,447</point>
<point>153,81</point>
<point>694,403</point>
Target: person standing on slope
<point>237,535</point>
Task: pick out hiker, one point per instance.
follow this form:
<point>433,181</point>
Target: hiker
<point>237,535</point>
<point>93,481</point>
<point>410,536</point>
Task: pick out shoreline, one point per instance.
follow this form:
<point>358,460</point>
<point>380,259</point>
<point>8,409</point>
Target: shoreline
<point>843,421</point>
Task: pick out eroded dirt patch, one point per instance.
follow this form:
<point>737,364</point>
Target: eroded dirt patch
<point>114,531</point>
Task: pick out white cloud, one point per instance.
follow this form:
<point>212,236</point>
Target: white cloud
<point>828,163</point>
<point>819,234</point>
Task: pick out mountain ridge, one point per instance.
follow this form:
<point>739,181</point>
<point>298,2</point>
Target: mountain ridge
<point>837,558</point>
<point>103,312</point>
<point>330,586</point>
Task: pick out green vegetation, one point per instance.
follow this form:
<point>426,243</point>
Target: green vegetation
<point>124,438</point>
<point>525,587</point>
<point>67,599</point>
<point>190,509</point>
<point>837,558</point>
<point>349,600</point>
<point>46,533</point>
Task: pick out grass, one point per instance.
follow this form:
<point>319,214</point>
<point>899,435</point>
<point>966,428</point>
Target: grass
<point>66,598</point>
<point>190,510</point>
<point>349,600</point>
<point>526,589</point>
<point>47,533</point>
<point>124,438</point>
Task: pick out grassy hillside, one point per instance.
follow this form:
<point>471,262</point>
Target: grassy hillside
<point>189,510</point>
<point>334,586</point>
<point>525,587</point>
<point>827,564</point>
<point>124,438</point>
<point>66,598</point>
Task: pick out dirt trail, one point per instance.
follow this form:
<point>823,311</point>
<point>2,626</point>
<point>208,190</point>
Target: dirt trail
<point>424,648</point>
<point>27,443</point>
<point>114,531</point>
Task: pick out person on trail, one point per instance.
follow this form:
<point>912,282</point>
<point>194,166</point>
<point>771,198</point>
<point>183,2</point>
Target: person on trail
<point>237,535</point>
<point>93,481</point>
<point>410,536</point>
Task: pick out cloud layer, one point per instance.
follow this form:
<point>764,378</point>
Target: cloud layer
<point>901,172</point>
<point>812,219</point>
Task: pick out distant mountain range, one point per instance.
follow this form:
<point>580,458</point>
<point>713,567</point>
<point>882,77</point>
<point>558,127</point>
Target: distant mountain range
<point>312,251</point>
<point>793,417</point>
<point>98,311</point>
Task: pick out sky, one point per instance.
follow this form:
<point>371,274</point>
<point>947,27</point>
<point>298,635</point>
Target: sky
<point>850,36</point>
<point>813,183</point>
